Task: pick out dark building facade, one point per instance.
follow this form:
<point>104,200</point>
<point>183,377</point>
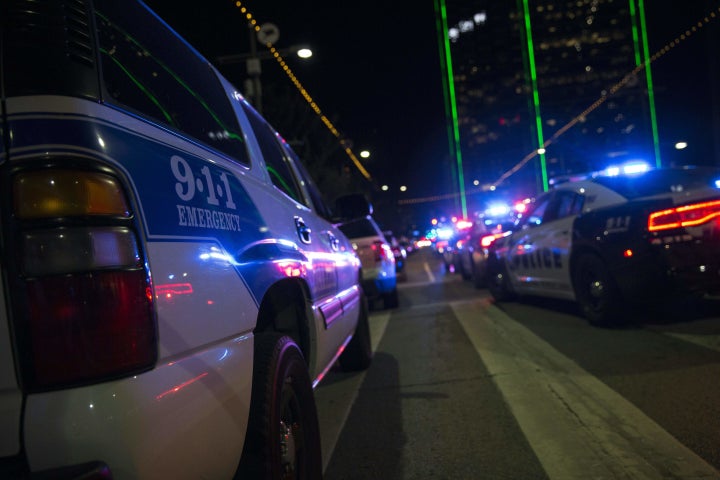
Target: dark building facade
<point>531,71</point>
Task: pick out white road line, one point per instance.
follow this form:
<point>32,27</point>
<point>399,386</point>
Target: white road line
<point>336,399</point>
<point>708,341</point>
<point>428,271</point>
<point>577,425</point>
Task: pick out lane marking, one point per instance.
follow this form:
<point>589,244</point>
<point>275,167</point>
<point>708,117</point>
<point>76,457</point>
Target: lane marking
<point>577,425</point>
<point>335,399</point>
<point>708,341</point>
<point>429,272</point>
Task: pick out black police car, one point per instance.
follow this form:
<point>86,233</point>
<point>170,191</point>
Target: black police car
<point>611,240</point>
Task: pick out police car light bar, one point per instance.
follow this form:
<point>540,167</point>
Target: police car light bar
<point>685,216</point>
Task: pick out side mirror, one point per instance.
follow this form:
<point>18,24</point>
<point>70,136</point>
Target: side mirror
<point>351,206</point>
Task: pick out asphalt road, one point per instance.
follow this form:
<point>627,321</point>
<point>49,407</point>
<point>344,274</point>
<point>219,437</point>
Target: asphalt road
<point>463,388</point>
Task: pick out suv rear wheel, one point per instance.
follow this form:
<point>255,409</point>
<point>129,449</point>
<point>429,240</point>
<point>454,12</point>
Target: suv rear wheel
<point>283,437</point>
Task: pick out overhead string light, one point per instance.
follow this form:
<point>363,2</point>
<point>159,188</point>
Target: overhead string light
<point>278,57</point>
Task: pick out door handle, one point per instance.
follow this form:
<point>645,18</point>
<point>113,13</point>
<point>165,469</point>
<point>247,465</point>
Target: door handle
<point>303,230</point>
<point>334,242</point>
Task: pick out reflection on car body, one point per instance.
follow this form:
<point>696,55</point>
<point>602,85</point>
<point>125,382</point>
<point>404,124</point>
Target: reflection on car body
<point>608,240</point>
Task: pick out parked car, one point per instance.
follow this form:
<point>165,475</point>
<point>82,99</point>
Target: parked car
<point>609,242</point>
<point>379,274</point>
<point>172,285</point>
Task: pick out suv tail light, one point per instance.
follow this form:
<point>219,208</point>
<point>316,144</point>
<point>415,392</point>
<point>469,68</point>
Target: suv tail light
<point>85,313</point>
<point>685,216</point>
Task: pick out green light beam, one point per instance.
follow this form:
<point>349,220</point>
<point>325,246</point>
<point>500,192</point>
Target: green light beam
<point>536,96</point>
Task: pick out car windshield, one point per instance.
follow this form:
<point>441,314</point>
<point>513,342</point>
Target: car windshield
<point>663,181</point>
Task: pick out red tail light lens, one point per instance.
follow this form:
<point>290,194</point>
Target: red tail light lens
<point>88,326</point>
<point>685,216</point>
<point>85,310</point>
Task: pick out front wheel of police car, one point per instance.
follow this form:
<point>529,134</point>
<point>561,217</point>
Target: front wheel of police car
<point>283,437</point>
<point>498,280</point>
<point>596,292</point>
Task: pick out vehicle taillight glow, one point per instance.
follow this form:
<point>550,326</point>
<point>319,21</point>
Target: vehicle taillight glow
<point>685,216</point>
<point>85,310</point>
<point>382,251</point>
<point>488,240</point>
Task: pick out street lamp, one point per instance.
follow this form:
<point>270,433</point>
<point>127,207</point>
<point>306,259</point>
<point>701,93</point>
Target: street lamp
<point>268,34</point>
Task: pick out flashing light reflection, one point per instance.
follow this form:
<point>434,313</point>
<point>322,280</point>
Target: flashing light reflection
<point>627,169</point>
<point>292,269</point>
<point>444,233</point>
<point>497,210</point>
<point>177,388</point>
<point>169,290</point>
<point>463,224</point>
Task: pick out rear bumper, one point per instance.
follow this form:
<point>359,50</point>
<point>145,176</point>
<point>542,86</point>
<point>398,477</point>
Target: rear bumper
<point>687,268</point>
<point>378,286</point>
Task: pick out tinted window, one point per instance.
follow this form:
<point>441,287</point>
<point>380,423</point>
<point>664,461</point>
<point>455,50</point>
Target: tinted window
<point>147,68</point>
<point>276,162</point>
<point>565,204</point>
<point>362,227</point>
<point>316,197</point>
<point>535,216</point>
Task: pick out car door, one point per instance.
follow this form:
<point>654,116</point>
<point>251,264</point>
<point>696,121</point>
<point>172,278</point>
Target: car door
<point>538,254</point>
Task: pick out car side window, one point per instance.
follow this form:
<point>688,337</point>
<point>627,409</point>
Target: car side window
<point>316,197</point>
<point>155,73</point>
<point>537,214</point>
<point>276,161</point>
<point>565,204</point>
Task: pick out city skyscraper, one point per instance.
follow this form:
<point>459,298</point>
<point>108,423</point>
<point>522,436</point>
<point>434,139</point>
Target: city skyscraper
<point>555,72</point>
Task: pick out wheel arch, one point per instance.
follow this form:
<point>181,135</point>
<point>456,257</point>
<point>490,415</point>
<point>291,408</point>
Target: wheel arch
<point>286,308</point>
<point>577,252</point>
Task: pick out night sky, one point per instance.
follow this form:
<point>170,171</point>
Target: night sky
<point>376,73</point>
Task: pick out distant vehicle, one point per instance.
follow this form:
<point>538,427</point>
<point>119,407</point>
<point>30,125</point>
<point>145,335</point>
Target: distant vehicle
<point>399,251</point>
<point>379,277</point>
<point>610,241</point>
<point>471,258</point>
<point>173,287</point>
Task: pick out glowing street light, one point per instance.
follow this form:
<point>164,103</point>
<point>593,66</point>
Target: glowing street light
<point>365,154</point>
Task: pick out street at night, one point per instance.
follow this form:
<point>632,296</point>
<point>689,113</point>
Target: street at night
<point>464,388</point>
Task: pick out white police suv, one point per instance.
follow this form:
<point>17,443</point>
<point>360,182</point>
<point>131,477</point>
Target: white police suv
<point>613,240</point>
<point>171,288</point>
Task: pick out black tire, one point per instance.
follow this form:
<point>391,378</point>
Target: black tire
<point>464,273</point>
<point>498,281</point>
<point>479,278</point>
<point>596,292</point>
<point>283,437</point>
<point>390,299</point>
<point>358,352</point>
